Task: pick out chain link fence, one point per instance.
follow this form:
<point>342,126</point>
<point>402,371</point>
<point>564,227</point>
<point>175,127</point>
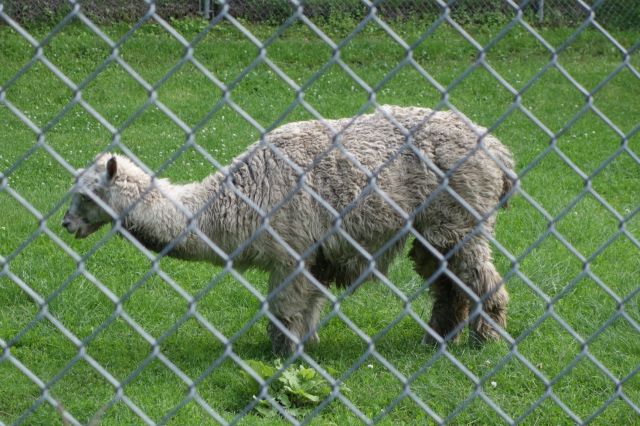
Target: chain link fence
<point>620,390</point>
<point>610,13</point>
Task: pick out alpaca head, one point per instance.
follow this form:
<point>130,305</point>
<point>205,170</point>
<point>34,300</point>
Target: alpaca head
<point>85,216</point>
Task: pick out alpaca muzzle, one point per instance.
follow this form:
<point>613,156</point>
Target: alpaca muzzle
<point>67,222</point>
<point>75,225</point>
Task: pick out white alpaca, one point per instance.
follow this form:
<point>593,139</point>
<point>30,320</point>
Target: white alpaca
<point>443,146</point>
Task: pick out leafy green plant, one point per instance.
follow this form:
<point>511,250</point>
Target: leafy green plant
<point>297,388</point>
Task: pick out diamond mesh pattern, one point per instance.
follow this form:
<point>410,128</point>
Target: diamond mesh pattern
<point>119,314</point>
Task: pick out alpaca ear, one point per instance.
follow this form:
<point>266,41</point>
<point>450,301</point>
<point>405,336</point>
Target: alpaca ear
<point>112,168</point>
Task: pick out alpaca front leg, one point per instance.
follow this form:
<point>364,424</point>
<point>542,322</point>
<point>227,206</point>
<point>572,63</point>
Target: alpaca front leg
<point>297,305</point>
<point>281,344</point>
<point>450,310</point>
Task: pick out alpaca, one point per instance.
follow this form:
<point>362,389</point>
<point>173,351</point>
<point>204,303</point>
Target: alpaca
<point>264,208</point>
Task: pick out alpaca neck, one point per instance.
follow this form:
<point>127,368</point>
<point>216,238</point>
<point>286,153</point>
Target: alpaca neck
<point>161,214</point>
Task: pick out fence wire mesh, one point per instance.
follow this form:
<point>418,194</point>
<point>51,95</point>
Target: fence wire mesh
<point>621,386</point>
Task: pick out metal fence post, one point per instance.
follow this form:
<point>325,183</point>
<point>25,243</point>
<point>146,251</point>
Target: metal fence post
<point>206,9</point>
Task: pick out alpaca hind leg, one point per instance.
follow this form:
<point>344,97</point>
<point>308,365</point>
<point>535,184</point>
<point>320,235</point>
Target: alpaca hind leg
<point>311,315</point>
<point>495,305</point>
<point>297,305</point>
<point>450,306</point>
<point>450,310</point>
<point>474,266</point>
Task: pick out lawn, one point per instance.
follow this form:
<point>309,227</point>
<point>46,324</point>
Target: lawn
<point>573,231</point>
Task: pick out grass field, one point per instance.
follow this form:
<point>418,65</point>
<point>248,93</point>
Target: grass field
<point>559,280</point>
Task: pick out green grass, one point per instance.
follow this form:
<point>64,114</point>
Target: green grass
<point>152,303</point>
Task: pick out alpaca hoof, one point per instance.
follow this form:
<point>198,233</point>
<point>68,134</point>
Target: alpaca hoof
<point>482,332</point>
<point>283,346</point>
<point>314,339</point>
<point>283,350</point>
<point>478,338</point>
<point>280,343</point>
<point>428,340</point>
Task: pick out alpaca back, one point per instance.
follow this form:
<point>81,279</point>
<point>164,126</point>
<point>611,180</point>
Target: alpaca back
<point>374,184</point>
